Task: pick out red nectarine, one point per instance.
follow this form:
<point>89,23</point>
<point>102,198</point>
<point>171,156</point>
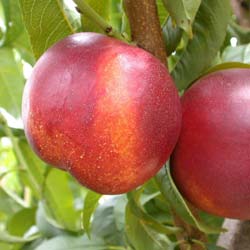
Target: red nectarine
<point>106,111</point>
<point>211,162</point>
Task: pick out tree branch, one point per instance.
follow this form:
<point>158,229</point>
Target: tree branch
<point>145,26</point>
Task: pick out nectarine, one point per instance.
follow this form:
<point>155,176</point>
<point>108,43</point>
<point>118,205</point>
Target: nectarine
<point>103,110</point>
<point>211,162</point>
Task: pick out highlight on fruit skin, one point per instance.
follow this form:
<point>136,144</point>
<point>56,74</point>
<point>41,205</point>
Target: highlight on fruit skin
<point>211,162</point>
<point>103,110</point>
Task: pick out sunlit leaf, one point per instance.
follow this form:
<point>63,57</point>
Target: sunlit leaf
<point>11,81</point>
<point>45,22</point>
<point>183,12</point>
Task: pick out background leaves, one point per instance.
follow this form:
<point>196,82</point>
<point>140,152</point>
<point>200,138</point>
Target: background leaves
<point>43,208</point>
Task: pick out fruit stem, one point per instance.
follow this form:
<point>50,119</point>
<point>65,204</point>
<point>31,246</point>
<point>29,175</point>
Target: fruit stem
<point>85,9</point>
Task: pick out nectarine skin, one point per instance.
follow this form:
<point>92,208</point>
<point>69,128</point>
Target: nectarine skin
<point>211,162</point>
<point>103,110</point>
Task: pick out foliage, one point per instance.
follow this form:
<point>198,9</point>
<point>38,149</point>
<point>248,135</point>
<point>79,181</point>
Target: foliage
<point>44,208</point>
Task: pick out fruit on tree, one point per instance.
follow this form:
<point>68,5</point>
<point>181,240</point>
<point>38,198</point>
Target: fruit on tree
<point>211,162</point>
<point>103,110</point>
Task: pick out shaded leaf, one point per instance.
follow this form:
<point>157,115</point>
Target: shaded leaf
<point>70,243</point>
<point>209,30</point>
<point>236,54</point>
<point>143,237</point>
<point>148,220</point>
<point>104,223</point>
<point>45,228</point>
<point>242,34</point>
<point>45,22</point>
<point>171,35</point>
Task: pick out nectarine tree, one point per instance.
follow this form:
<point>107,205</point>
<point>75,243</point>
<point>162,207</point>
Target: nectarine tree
<point>133,128</point>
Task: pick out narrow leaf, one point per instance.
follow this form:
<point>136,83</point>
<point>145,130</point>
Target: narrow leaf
<point>171,193</point>
<point>90,204</point>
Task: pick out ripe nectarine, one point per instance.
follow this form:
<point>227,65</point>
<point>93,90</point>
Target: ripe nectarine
<point>103,110</point>
<point>211,162</point>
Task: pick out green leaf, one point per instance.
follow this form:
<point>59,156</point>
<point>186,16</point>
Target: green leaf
<point>102,7</point>
<point>209,30</point>
<point>109,10</point>
<point>36,168</point>
<point>6,246</point>
<point>45,228</point>
<point>23,46</point>
<point>148,220</point>
<point>242,34</point>
<point>45,22</point>
<point>73,243</point>
<point>227,65</point>
<point>11,81</point>
<point>171,35</point>
<point>236,54</point>
<point>59,199</point>
<point>5,237</point>
<point>104,224</point>
<point>7,206</point>
<point>21,221</point>
<point>90,205</point>
<point>143,237</point>
<point>13,20</point>
<point>16,132</point>
<point>172,195</point>
<point>162,13</point>
<point>119,212</point>
<point>56,191</point>
<point>183,12</point>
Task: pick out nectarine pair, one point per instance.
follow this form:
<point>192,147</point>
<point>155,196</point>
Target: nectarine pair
<point>109,113</point>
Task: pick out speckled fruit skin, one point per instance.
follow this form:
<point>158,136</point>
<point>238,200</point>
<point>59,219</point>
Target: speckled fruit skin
<point>211,162</point>
<point>105,111</point>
